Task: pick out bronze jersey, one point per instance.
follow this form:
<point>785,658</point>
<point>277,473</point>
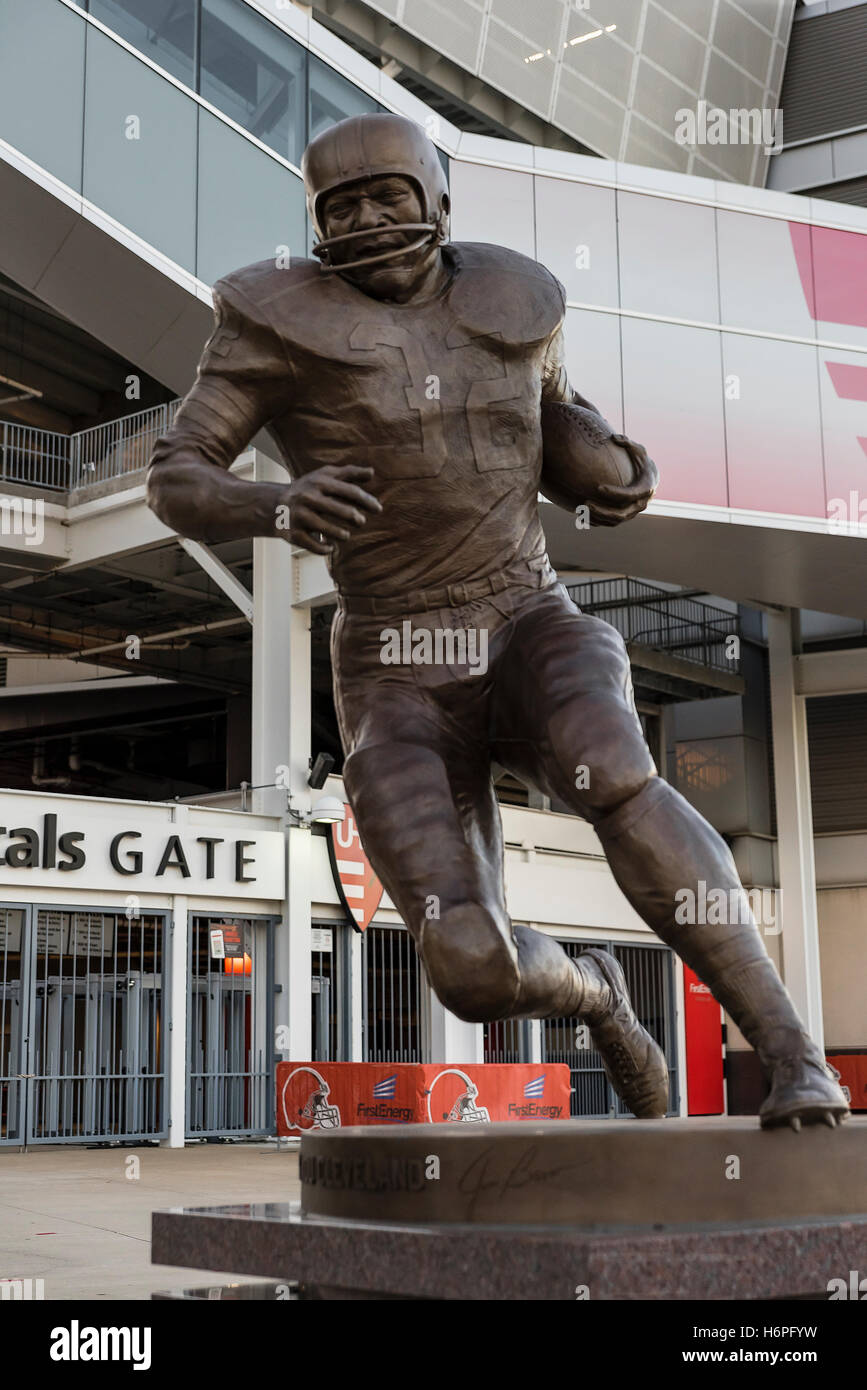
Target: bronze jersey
<point>441,398</point>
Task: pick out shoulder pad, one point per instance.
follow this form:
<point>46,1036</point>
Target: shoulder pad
<point>256,289</point>
<point>502,292</point>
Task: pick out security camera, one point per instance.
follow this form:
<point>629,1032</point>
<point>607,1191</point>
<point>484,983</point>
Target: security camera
<point>319,770</point>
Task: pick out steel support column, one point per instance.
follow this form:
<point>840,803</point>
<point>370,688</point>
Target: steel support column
<point>280,755</point>
<point>797,867</point>
<point>176,1060</point>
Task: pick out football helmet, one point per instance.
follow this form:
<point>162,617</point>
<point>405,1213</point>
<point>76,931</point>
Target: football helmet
<point>364,147</point>
<point>305,1101</point>
<point>452,1096</point>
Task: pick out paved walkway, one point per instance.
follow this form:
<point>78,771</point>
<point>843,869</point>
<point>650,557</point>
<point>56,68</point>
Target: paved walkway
<point>78,1219</point>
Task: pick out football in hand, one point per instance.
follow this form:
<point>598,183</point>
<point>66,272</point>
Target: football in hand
<point>579,455</point>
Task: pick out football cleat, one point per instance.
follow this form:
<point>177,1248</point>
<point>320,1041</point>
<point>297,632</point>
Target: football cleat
<point>634,1063</point>
<point>804,1088</point>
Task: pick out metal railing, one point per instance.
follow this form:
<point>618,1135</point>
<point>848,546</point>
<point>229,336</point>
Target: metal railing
<point>29,455</point>
<point>677,623</point>
<point>67,462</point>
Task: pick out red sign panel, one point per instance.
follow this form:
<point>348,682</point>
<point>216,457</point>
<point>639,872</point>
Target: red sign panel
<point>359,888</point>
<point>704,1054</point>
<point>330,1095</point>
<point>853,1075</point>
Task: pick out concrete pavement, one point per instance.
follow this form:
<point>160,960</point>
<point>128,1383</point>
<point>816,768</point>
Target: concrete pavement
<point>80,1219</point>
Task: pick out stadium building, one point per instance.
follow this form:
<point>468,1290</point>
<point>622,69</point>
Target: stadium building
<point>175,914</point>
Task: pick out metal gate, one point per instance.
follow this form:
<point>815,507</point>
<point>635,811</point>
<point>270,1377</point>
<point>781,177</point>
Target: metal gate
<point>650,980</point>
<point>330,967</point>
<point>81,1023</point>
<point>394,997</point>
<point>230,1027</point>
<point>507,1040</point>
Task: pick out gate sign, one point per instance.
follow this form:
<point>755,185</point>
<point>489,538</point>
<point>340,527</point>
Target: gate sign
<point>359,888</point>
<point>227,940</point>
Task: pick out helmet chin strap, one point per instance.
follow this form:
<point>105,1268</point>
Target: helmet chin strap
<point>432,232</point>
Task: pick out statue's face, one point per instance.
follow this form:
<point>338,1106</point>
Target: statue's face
<point>384,201</point>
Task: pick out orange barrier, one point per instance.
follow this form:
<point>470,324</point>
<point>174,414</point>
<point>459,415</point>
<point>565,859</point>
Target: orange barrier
<point>330,1095</point>
<point>853,1073</point>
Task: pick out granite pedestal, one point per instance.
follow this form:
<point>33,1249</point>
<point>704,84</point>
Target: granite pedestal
<point>669,1209</point>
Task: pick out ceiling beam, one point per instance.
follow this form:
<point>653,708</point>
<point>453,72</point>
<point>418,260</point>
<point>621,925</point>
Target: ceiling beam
<point>832,673</point>
<point>221,575</point>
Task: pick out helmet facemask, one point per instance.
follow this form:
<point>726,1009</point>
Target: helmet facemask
<point>430,234</point>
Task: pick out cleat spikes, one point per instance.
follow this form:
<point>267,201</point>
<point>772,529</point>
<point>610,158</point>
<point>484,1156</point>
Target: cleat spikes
<point>795,1122</point>
<point>830,1119</point>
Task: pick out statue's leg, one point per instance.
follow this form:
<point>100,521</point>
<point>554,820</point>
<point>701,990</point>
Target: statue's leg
<point>417,772</point>
<point>589,751</point>
<point>429,821</point>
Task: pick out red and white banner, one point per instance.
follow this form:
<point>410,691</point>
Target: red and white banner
<point>331,1095</point>
<point>359,888</point>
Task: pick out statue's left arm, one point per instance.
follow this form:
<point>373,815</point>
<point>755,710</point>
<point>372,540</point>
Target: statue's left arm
<point>610,505</point>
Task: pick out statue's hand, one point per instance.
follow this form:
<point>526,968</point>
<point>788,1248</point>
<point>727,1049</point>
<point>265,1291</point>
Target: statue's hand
<point>329,502</point>
<point>611,505</point>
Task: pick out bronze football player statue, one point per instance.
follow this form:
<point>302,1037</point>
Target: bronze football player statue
<point>417,391</point>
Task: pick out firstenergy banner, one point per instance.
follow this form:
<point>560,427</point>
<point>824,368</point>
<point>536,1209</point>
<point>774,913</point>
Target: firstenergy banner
<point>329,1095</point>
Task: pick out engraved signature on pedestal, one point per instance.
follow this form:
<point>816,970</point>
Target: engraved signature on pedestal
<point>480,1178</point>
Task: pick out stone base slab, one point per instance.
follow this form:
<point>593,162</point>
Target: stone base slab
<point>667,1210</point>
<point>343,1258</point>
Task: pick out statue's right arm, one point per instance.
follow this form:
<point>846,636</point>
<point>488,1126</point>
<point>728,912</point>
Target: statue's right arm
<point>235,393</point>
<point>245,379</point>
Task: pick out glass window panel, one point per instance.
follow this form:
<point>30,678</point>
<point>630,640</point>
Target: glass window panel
<point>255,74</point>
<point>249,205</point>
<point>673,405</point>
<point>773,434</point>
<point>576,238</point>
<point>843,380</point>
<point>759,282</point>
<point>42,51</point>
<point>332,98</point>
<point>140,149</point>
<point>838,294</point>
<point>668,258</point>
<point>495,205</point>
<point>163,30</point>
<point>593,360</point>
